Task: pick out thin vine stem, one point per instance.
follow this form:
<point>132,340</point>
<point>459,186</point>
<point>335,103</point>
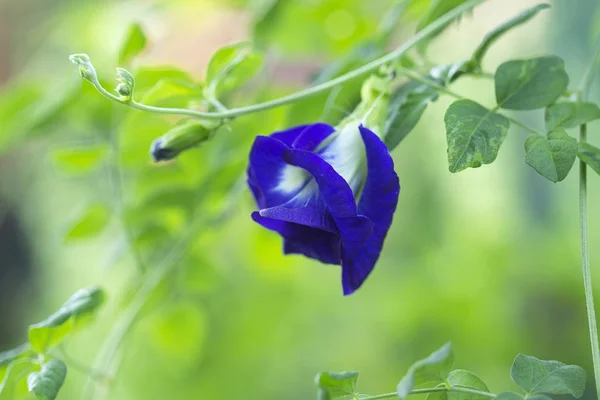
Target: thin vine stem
<point>583,92</point>
<point>432,390</point>
<point>442,89</point>
<point>422,35</point>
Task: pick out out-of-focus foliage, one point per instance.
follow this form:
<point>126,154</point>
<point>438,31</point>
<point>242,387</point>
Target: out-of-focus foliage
<point>487,259</point>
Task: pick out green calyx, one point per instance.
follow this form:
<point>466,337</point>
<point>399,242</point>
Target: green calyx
<point>182,137</point>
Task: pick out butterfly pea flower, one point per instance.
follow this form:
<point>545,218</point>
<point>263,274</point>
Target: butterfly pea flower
<point>330,192</point>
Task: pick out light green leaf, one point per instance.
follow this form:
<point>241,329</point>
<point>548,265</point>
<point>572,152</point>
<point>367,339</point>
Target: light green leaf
<point>148,77</point>
<point>405,110</point>
<point>230,67</point>
<point>46,383</point>
<point>515,396</point>
<point>135,41</point>
<point>337,385</point>
<point>530,84</point>
<point>460,378</point>
<point>434,368</point>
<point>89,224</point>
<point>552,156</point>
<point>590,155</point>
<point>474,135</point>
<point>172,93</point>
<point>53,329</point>
<point>541,376</point>
<point>500,30</point>
<point>79,160</point>
<point>570,114</point>
<point>18,353</point>
<point>16,373</point>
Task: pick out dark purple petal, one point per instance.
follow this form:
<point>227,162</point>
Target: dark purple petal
<point>378,202</point>
<point>299,239</point>
<point>313,216</point>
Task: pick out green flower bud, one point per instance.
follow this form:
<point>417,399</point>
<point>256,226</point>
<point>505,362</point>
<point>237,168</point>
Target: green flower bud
<point>126,83</point>
<point>86,69</point>
<point>182,137</point>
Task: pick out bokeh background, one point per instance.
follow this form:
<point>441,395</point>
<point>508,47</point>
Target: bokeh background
<point>487,258</point>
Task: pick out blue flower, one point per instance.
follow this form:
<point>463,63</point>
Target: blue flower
<point>330,193</point>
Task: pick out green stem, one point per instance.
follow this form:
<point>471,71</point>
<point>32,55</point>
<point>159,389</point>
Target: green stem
<point>583,92</point>
<point>422,35</point>
<point>431,390</point>
<point>442,89</point>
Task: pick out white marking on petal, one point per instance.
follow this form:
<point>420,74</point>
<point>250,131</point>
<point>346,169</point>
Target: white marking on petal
<point>292,179</point>
<point>347,154</point>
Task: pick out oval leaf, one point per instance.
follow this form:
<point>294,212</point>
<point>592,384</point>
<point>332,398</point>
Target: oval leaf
<point>434,368</point>
<point>460,378</point>
<point>46,383</point>
<point>570,114</point>
<point>541,376</point>
<point>474,135</point>
<point>14,377</point>
<point>552,156</point>
<point>50,332</point>
<point>135,41</point>
<point>590,155</point>
<point>89,224</point>
<point>230,67</point>
<point>337,385</point>
<point>530,84</point>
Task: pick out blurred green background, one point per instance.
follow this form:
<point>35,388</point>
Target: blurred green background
<point>487,258</point>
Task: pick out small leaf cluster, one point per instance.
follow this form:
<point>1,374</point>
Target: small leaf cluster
<point>536,379</point>
<point>34,367</point>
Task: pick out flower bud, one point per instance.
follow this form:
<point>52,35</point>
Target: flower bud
<point>126,83</point>
<point>86,69</point>
<point>182,137</point>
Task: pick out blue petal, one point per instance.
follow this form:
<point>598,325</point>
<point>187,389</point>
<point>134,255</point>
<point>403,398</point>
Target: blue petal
<point>378,202</point>
<point>299,239</point>
<point>264,171</point>
<point>304,137</point>
<point>337,195</point>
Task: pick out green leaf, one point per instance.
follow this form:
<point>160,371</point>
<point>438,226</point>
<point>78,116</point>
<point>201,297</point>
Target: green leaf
<point>9,356</point>
<point>553,377</point>
<point>172,93</point>
<point>337,385</point>
<point>460,378</point>
<point>437,8</point>
<point>14,377</point>
<point>46,383</point>
<point>53,329</point>
<point>590,155</point>
<point>89,224</point>
<point>500,30</point>
<point>530,84</point>
<point>135,41</point>
<point>79,160</point>
<point>552,156</point>
<point>516,396</point>
<point>474,135</point>
<point>434,368</point>
<point>405,110</point>
<point>230,67</point>
<point>570,114</point>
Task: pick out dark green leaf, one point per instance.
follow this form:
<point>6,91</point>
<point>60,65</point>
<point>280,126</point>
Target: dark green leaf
<point>541,376</point>
<point>50,332</point>
<point>474,135</point>
<point>406,108</point>
<point>552,156</point>
<point>460,378</point>
<point>79,160</point>
<point>230,67</point>
<point>434,368</point>
<point>437,8</point>
<point>337,385</point>
<point>530,84</point>
<point>509,396</point>
<point>135,41</point>
<point>46,383</point>
<point>500,30</point>
<point>590,155</point>
<point>570,114</point>
<point>89,224</point>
